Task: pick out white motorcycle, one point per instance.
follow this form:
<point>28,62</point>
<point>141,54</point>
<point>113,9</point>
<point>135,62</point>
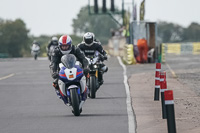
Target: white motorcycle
<point>35,50</point>
<point>72,84</point>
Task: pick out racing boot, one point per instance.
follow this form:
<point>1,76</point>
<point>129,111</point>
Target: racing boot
<point>100,78</point>
<point>55,85</point>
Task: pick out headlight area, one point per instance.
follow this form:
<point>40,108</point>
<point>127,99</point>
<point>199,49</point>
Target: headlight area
<point>95,66</point>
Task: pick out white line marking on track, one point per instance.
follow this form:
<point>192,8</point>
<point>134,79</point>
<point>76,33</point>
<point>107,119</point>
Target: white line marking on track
<point>8,76</point>
<point>131,117</point>
<point>173,73</point>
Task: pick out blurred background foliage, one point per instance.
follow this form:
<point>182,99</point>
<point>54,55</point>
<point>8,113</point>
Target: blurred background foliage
<point>100,25</point>
<point>15,39</point>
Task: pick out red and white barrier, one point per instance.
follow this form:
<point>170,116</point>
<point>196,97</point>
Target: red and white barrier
<point>163,88</point>
<point>157,81</point>
<point>169,103</point>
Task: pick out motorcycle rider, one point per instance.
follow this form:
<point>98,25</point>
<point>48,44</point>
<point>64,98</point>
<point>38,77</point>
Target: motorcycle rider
<point>35,49</point>
<point>53,42</point>
<point>89,46</point>
<point>65,47</point>
<point>35,45</point>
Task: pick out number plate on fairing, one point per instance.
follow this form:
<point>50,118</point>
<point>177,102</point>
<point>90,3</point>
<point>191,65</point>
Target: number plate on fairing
<point>71,73</point>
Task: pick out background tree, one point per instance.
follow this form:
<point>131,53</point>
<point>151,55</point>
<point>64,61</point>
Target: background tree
<point>170,32</point>
<point>13,37</point>
<point>192,33</point>
<point>100,25</point>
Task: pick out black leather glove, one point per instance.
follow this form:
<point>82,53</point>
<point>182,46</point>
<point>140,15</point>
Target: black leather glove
<point>101,57</point>
<point>55,75</point>
<point>86,71</point>
<point>105,57</point>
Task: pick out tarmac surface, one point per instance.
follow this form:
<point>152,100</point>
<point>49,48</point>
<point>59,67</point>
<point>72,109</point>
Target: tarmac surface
<point>29,104</point>
<point>183,76</point>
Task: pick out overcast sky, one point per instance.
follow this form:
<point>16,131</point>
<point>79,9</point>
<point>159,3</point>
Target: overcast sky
<point>55,16</point>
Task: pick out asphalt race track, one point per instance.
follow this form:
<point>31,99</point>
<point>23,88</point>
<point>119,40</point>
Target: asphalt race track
<point>28,102</point>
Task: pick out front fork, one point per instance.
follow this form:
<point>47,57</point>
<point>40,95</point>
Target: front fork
<point>65,92</point>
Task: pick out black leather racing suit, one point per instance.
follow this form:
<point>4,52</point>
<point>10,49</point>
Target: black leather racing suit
<point>90,50</point>
<point>56,59</point>
<point>51,43</point>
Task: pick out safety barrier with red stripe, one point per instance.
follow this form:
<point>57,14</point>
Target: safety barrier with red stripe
<point>167,99</point>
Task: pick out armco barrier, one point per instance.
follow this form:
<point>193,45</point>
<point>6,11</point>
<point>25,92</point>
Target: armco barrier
<point>186,48</point>
<point>179,49</point>
<point>163,52</point>
<point>196,48</point>
<point>174,48</point>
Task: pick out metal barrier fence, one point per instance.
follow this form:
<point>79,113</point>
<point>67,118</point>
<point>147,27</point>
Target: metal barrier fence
<point>179,48</point>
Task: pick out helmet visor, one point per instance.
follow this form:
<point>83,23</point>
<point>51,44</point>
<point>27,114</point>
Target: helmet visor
<point>89,40</point>
<point>65,47</point>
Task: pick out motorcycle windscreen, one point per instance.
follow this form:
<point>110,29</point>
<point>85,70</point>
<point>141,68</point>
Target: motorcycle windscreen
<point>68,61</point>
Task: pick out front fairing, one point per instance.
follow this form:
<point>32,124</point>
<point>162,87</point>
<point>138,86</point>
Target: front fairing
<point>66,77</point>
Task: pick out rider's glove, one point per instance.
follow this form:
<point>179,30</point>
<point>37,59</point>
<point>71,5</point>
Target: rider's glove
<point>86,71</point>
<point>101,58</point>
<point>55,75</point>
<point>105,57</point>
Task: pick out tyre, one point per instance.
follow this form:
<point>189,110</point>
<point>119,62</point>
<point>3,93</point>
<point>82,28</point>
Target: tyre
<point>75,101</point>
<point>35,57</point>
<point>49,57</point>
<point>92,87</point>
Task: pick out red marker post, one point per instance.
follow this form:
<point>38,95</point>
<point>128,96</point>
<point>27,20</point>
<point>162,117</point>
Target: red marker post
<point>169,102</point>
<point>163,88</point>
<point>157,82</point>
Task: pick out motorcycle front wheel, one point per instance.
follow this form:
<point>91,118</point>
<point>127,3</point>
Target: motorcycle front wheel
<point>75,102</point>
<point>92,87</point>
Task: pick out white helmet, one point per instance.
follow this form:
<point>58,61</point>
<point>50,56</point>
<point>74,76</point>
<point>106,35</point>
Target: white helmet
<point>54,38</point>
<point>65,44</point>
<point>88,38</point>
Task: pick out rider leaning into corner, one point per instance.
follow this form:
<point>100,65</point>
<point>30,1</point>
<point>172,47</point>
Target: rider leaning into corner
<point>65,47</point>
<point>89,46</point>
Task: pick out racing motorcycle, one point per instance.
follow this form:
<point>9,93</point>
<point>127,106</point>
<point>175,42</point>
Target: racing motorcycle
<point>35,50</point>
<point>72,83</point>
<point>92,78</point>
